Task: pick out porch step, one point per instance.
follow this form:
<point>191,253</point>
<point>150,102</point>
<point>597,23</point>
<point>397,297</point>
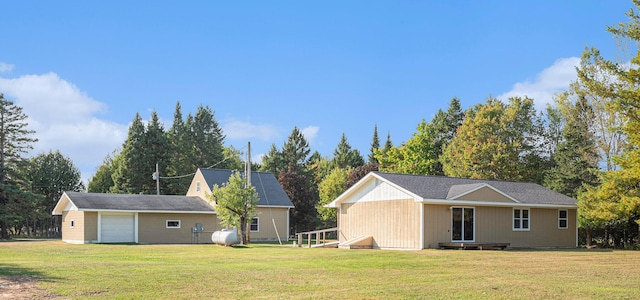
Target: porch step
<point>475,246</point>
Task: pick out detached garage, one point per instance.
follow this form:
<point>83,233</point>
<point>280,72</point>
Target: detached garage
<point>118,218</point>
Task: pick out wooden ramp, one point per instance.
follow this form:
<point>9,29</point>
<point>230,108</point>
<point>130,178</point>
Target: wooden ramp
<point>326,245</point>
<point>361,242</point>
<point>474,246</point>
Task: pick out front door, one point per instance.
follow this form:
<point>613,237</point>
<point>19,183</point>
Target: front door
<point>462,224</point>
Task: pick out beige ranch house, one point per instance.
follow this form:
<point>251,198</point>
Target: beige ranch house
<point>399,211</point>
<point>164,219</point>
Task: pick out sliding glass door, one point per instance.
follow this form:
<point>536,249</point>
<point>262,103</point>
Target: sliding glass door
<point>462,226</point>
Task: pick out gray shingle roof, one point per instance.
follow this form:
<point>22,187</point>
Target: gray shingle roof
<point>440,187</point>
<point>269,189</point>
<point>133,202</point>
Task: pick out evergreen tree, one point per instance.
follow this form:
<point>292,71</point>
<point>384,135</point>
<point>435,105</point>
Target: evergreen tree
<point>445,125</point>
<point>50,175</point>
<point>156,148</point>
<point>15,141</point>
<point>344,156</point>
<point>102,180</point>
<point>179,163</point>
<point>272,161</point>
<point>576,158</point>
<point>206,139</point>
<point>132,171</point>
<point>295,152</point>
<point>375,144</point>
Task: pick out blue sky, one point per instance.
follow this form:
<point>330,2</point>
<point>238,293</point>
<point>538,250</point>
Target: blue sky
<point>82,69</point>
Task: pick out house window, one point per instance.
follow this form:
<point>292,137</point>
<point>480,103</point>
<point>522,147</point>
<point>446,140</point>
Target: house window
<point>563,219</point>
<point>254,225</point>
<point>521,219</point>
<point>173,223</point>
<point>197,186</point>
<point>72,223</point>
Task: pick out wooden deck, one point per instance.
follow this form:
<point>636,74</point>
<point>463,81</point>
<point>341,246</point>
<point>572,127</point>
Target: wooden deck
<point>474,246</point>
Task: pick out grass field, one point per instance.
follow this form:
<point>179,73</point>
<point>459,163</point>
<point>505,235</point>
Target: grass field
<point>274,271</point>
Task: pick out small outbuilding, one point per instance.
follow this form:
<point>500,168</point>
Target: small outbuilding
<point>133,218</point>
<point>400,211</point>
<point>121,218</point>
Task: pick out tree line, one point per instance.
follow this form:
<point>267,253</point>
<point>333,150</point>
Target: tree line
<point>586,144</point>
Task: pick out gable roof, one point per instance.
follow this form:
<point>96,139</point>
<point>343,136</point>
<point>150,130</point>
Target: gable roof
<point>435,188</point>
<point>269,189</point>
<point>132,203</point>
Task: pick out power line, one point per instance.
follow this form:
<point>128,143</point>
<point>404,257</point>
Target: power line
<point>194,173</point>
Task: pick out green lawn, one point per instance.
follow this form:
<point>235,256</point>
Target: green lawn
<point>273,271</point>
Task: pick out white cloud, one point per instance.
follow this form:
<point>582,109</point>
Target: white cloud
<point>310,133</point>
<point>238,130</point>
<point>64,119</point>
<point>551,80</point>
<point>5,67</point>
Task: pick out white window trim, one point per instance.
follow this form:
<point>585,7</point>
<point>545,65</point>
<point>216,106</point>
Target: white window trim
<point>257,224</point>
<point>197,186</point>
<point>173,227</point>
<point>72,223</point>
<point>513,218</point>
<point>566,219</point>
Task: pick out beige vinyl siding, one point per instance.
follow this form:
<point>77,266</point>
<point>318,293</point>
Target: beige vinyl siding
<point>204,189</point>
<point>75,234</point>
<point>85,229</point>
<point>392,223</point>
<point>437,225</point>
<point>494,225</point>
<point>485,194</point>
<point>152,228</point>
<point>266,230</point>
<point>91,226</point>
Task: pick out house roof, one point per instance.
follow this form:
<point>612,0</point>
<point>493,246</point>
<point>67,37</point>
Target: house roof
<point>134,203</point>
<point>269,189</point>
<point>435,188</point>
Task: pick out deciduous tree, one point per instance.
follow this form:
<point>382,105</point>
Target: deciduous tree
<point>235,203</point>
<point>496,140</point>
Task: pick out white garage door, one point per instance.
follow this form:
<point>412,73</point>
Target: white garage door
<point>117,228</point>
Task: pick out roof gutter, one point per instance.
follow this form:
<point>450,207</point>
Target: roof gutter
<point>487,203</point>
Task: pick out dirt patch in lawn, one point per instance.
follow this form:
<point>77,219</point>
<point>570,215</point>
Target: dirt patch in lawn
<point>21,287</point>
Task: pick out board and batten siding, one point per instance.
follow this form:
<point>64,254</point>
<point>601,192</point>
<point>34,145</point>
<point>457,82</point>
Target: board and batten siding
<point>152,228</point>
<point>494,225</point>
<point>380,210</point>
<point>391,223</point>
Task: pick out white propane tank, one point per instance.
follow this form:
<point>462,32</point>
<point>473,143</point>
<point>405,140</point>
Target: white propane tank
<point>225,237</point>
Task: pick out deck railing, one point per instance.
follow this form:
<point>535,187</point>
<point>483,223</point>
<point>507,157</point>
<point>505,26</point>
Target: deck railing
<point>321,235</point>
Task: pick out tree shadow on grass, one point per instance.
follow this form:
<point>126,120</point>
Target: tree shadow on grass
<point>15,271</point>
<point>581,250</point>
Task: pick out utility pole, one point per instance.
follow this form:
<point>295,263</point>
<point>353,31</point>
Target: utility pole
<point>157,180</point>
<point>248,174</point>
